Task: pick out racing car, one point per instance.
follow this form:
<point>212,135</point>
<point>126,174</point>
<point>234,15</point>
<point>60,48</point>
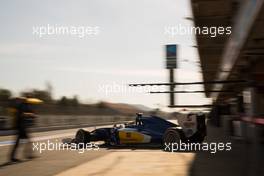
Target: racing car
<point>148,130</point>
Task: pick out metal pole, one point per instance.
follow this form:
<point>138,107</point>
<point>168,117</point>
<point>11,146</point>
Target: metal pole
<point>171,79</point>
<point>192,83</point>
<point>191,92</point>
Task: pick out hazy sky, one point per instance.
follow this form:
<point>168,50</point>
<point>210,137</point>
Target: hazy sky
<point>128,49</point>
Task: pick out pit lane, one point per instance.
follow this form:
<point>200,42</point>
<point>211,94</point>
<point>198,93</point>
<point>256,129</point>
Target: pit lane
<point>105,161</point>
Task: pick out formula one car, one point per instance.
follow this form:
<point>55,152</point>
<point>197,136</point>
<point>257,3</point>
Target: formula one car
<point>148,130</point>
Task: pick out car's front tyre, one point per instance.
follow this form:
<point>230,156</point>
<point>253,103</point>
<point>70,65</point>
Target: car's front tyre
<point>82,136</point>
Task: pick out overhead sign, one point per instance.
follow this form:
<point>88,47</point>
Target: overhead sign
<point>171,56</point>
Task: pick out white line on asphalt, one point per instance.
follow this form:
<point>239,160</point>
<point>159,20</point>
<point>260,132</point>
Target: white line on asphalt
<point>41,138</point>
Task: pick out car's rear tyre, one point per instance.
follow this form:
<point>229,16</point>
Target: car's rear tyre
<point>197,138</point>
<point>82,136</point>
<point>171,137</point>
<point>200,139</point>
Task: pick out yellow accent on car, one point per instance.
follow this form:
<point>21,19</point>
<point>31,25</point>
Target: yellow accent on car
<point>130,137</point>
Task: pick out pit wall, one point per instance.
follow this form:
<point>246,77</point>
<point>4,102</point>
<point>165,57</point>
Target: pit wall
<point>64,121</point>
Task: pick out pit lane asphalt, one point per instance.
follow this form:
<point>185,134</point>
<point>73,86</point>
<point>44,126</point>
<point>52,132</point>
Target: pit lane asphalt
<point>48,162</point>
<point>93,162</point>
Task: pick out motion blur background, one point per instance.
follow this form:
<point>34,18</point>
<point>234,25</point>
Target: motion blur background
<point>69,73</point>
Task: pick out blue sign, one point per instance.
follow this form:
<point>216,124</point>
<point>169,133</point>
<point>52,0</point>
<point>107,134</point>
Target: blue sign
<point>171,56</point>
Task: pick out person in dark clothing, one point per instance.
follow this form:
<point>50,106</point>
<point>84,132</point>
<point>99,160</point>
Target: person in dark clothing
<point>23,118</point>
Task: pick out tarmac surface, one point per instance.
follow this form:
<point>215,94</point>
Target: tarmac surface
<point>105,161</point>
<point>122,161</point>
